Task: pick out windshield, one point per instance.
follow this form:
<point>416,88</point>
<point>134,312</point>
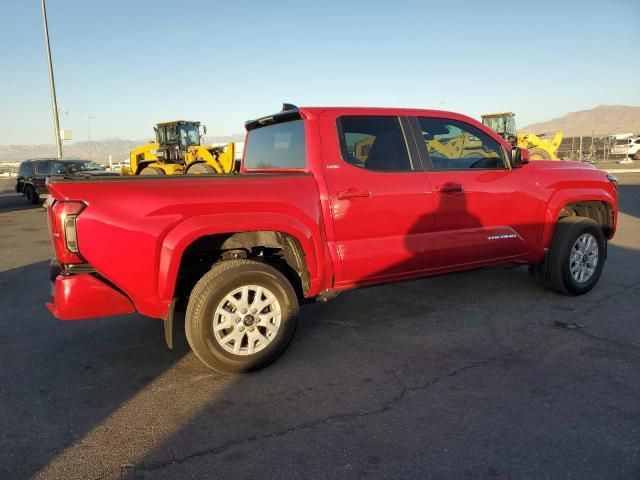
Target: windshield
<point>189,135</point>
<point>66,168</point>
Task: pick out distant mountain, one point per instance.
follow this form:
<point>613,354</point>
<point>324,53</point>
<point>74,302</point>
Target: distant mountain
<point>98,150</point>
<point>601,120</point>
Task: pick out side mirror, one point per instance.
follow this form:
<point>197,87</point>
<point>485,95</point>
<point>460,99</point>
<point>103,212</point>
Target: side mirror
<point>519,157</point>
<point>204,129</point>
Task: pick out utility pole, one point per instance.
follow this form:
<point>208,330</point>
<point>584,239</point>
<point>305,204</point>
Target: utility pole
<point>52,85</point>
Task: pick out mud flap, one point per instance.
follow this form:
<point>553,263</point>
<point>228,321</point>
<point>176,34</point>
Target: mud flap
<point>168,325</point>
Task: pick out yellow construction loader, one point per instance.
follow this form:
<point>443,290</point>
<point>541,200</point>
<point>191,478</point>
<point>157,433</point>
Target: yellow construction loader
<point>177,150</point>
<point>504,124</point>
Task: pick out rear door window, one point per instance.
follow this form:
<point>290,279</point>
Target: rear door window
<point>278,146</point>
<point>374,143</point>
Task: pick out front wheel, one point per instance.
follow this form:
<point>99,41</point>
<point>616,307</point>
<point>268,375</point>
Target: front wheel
<point>200,168</point>
<point>241,316</point>
<point>151,171</point>
<point>539,154</point>
<point>576,256</point>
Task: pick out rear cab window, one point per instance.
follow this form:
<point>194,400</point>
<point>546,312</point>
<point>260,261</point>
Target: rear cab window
<point>280,146</point>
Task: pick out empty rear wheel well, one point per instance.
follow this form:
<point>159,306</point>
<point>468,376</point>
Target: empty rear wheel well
<point>278,249</point>
<point>601,212</point>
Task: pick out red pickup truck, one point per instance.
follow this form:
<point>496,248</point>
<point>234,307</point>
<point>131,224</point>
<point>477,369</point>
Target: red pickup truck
<point>328,199</point>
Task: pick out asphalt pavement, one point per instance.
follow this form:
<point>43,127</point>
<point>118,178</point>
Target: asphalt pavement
<point>465,376</point>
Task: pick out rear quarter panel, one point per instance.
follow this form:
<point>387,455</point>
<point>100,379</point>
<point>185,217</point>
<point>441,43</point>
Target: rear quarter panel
<point>134,231</point>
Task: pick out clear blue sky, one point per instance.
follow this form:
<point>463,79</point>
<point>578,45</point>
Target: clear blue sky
<point>132,63</point>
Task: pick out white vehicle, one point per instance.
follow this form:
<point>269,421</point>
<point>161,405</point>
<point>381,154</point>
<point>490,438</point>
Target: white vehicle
<point>627,147</point>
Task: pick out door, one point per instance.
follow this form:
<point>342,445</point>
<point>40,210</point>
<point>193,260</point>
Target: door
<point>485,211</point>
<point>380,202</point>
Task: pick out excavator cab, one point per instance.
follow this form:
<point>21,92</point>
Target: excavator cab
<point>504,124</point>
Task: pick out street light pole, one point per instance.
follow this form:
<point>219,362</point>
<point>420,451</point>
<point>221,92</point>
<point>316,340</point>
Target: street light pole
<point>89,132</point>
<point>52,85</point>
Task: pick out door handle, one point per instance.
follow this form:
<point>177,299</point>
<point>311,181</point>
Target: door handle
<point>449,188</point>
<point>352,193</point>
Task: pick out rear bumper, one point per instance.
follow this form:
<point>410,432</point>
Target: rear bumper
<point>81,296</point>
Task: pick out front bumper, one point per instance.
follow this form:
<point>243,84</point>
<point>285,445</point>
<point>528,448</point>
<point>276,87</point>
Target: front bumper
<point>81,296</point>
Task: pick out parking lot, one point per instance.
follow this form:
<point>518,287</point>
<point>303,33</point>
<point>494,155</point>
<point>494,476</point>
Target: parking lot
<point>452,377</point>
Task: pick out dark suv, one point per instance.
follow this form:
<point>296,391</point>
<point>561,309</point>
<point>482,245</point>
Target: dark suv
<point>33,174</point>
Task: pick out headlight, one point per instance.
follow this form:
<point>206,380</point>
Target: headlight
<point>613,179</point>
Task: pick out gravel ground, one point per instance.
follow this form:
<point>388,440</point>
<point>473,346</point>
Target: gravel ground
<point>455,377</point>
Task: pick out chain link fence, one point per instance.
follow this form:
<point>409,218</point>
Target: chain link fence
<point>589,149</point>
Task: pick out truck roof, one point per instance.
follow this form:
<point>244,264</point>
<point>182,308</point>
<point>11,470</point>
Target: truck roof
<point>293,112</point>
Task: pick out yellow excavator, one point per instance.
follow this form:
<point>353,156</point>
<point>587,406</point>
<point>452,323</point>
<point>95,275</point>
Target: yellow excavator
<point>504,124</point>
<point>178,150</point>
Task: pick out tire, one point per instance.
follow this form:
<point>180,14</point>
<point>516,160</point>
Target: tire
<point>32,195</point>
<point>200,168</point>
<point>539,154</point>
<point>242,326</point>
<point>151,171</point>
<point>570,231</point>
<point>637,155</point>
<point>35,199</point>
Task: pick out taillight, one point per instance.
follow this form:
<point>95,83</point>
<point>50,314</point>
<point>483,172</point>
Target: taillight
<point>62,218</point>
